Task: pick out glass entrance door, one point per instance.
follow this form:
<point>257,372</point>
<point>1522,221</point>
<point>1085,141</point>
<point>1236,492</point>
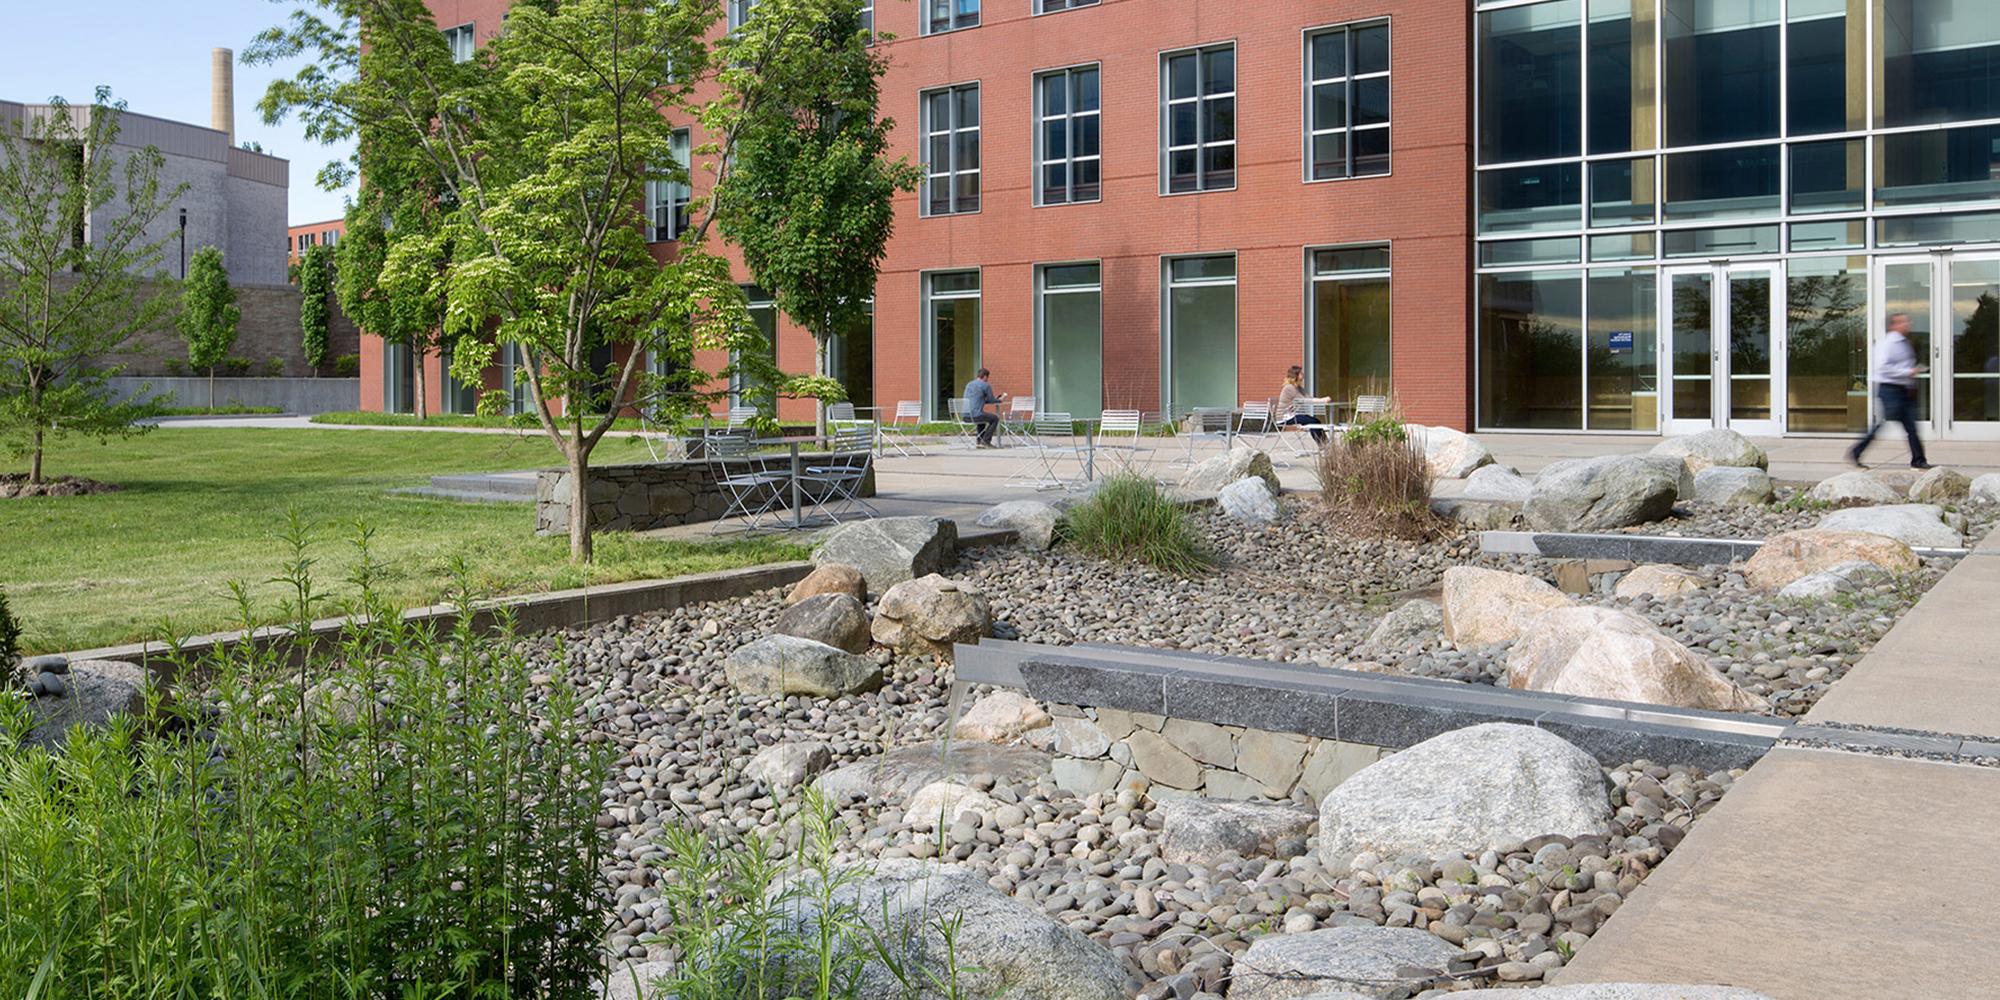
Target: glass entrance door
<point>1723,328</point>
<point>1953,302</point>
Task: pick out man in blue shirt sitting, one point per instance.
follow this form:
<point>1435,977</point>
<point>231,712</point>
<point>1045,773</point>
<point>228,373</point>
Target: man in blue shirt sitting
<point>978,396</point>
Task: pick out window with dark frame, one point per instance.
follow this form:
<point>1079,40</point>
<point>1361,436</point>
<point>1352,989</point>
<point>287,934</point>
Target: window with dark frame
<point>1052,6</point>
<point>1347,101</point>
<point>1068,141</point>
<point>1198,127</point>
<point>951,150</point>
<point>950,15</point>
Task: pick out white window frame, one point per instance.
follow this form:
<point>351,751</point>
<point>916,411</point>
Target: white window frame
<point>670,196</point>
<point>950,132</point>
<point>1350,82</point>
<point>1168,103</point>
<point>1059,6</point>
<point>739,12</point>
<point>1069,118</point>
<point>868,18</point>
<point>933,25</point>
<point>462,41</point>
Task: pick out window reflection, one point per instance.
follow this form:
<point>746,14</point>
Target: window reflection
<point>1530,357</point>
<point>1721,71</point>
<point>1621,75</point>
<point>1826,345</point>
<point>1936,61</point>
<point>1530,83</point>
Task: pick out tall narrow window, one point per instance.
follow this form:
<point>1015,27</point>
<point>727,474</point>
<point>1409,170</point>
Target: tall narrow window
<point>1721,75</point>
<point>1067,144</point>
<point>739,13</point>
<point>667,197</point>
<point>950,15</point>
<point>1348,345</point>
<point>1198,130</point>
<point>951,342</point>
<point>1200,354</point>
<point>1620,100</point>
<point>868,17</point>
<point>745,387</point>
<point>1072,340</point>
<point>1530,82</point>
<point>1051,6</point>
<point>951,150</point>
<point>1347,86</point>
<point>461,41</point>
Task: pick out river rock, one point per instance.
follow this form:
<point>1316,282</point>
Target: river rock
<point>1371,959</point>
<point>1787,557</point>
<point>1032,521</point>
<point>788,765</point>
<point>1410,627</point>
<point>1986,488</point>
<point>1831,582</point>
<point>832,578</point>
<point>1658,580</point>
<point>1466,790</point>
<point>1003,950</point>
<point>1851,488</point>
<point>939,804</point>
<point>1940,485</point>
<point>780,665</point>
<point>1919,525</point>
<point>1248,499</point>
<point>1733,486</point>
<point>90,694</point>
<point>1000,717</point>
<point>1484,606</point>
<point>1596,652</point>
<point>1200,831</point>
<point>924,617</point>
<point>1210,475</point>
<point>1714,448</point>
<point>890,550</point>
<point>1595,494</point>
<point>899,773</point>
<point>1497,482</point>
<point>1477,515</point>
<point>1451,454</point>
<point>835,619</point>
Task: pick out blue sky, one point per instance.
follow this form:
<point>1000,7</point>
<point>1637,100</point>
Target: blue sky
<point>154,54</point>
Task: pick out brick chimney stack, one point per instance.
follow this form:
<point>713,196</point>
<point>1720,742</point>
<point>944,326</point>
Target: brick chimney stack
<point>222,93</point>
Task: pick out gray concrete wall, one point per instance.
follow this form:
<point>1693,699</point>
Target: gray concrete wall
<point>268,330</point>
<point>293,395</point>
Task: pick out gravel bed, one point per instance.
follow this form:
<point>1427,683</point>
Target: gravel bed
<point>1790,512</point>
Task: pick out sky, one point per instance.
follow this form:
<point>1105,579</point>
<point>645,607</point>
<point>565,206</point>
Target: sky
<point>154,55</point>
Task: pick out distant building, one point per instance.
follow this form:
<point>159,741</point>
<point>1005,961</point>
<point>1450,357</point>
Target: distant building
<point>306,235</point>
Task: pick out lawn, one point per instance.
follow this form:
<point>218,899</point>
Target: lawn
<point>202,507</point>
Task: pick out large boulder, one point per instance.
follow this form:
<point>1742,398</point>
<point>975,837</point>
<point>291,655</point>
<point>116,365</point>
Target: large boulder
<point>632,980</point>
<point>1611,491</point>
<point>1210,475</point>
<point>1733,486</point>
<point>1032,521</point>
<point>788,765</point>
<point>1595,652</point>
<point>1202,831</point>
<point>1940,485</point>
<point>1411,626</point>
<point>1618,991</point>
<point>1248,499</point>
<point>89,694</point>
<point>1919,525</point>
<point>940,803</point>
<point>1709,449</point>
<point>1466,790</point>
<point>1657,580</point>
<point>1003,949</point>
<point>1450,454</point>
<point>1853,488</point>
<point>924,617</point>
<point>1484,606</point>
<point>1831,582</point>
<point>781,665</point>
<point>1986,489</point>
<point>1477,515</point>
<point>901,772</point>
<point>1787,557</point>
<point>889,550</point>
<point>832,578</point>
<point>1497,482</point>
<point>1369,959</point>
<point>835,619</point>
<point>1000,717</point>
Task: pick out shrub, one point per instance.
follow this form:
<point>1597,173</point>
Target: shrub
<point>176,367</point>
<point>274,368</point>
<point>1375,481</point>
<point>401,814</point>
<point>10,644</point>
<point>1131,518</point>
<point>347,366</point>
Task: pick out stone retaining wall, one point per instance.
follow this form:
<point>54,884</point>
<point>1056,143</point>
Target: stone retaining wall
<point>655,494</point>
<point>1097,749</point>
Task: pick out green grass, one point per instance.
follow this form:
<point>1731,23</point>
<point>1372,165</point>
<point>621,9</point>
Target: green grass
<point>227,409</point>
<point>201,507</point>
<point>518,421</point>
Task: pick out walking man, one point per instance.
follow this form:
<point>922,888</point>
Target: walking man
<point>1896,371</point>
<point>978,396</point>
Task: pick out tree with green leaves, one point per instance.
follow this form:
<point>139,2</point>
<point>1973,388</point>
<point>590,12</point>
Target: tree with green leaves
<point>315,291</point>
<point>537,153</point>
<point>71,294</point>
<point>208,314</point>
<point>811,198</point>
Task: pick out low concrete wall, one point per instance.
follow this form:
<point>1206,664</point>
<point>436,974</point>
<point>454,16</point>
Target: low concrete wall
<point>292,395</point>
<point>656,494</point>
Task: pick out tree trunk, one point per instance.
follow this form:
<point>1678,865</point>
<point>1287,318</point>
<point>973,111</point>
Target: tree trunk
<point>211,388</point>
<point>35,458</point>
<point>417,374</point>
<point>820,344</point>
<point>579,501</point>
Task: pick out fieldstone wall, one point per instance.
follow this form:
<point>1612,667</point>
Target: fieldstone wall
<point>1097,749</point>
<point>653,495</point>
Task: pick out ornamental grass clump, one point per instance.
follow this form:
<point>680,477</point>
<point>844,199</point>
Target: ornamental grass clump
<point>1130,518</point>
<point>405,812</point>
<point>1375,481</point>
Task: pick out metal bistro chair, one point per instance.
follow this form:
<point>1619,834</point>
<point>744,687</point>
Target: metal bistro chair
<point>1019,419</point>
<point>1255,425</point>
<point>1052,439</point>
<point>902,433</point>
<point>740,418</point>
<point>1300,436</point>
<point>1210,423</point>
<point>1118,435</point>
<point>753,490</point>
<point>834,484</point>
<point>1367,407</point>
<point>840,413</point>
<point>965,432</point>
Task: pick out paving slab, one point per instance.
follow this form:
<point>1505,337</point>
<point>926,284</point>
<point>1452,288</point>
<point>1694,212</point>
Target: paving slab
<point>1822,876</point>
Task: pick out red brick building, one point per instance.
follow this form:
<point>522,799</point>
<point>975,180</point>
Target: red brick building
<point>1236,187</point>
<point>306,235</point>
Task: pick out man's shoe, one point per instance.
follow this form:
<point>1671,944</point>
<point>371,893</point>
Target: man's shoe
<point>1920,465</point>
<point>1855,460</point>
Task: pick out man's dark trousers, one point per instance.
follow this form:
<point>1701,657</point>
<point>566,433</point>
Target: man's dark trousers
<point>987,424</point>
<point>1899,404</point>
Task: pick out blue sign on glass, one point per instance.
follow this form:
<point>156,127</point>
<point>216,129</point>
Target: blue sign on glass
<point>1621,341</point>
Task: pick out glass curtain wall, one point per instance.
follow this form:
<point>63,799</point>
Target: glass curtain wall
<point>951,338</point>
<point>1348,340</point>
<point>1200,341</point>
<point>1072,340</point>
<point>457,396</point>
<point>398,385</point>
<point>1826,352</point>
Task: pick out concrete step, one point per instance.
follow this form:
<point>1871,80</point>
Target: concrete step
<point>511,485</point>
<point>464,496</point>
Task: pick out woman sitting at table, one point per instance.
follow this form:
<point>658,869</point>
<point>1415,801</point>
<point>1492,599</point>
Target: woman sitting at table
<point>1291,396</point>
